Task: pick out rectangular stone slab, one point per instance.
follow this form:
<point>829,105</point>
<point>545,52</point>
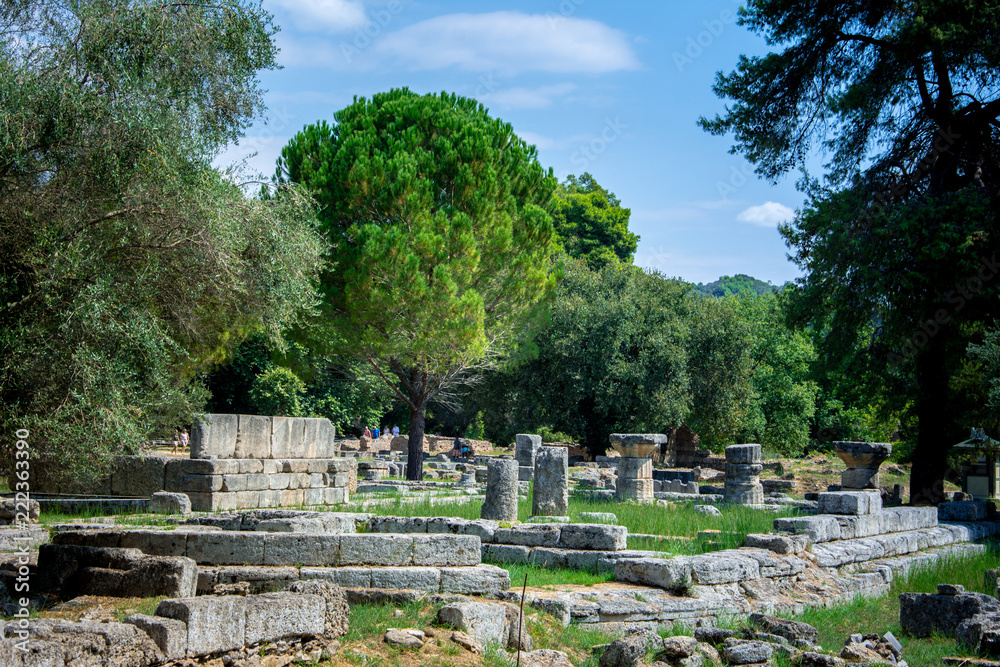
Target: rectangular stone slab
<point>214,435</point>
<point>214,623</point>
<point>274,616</point>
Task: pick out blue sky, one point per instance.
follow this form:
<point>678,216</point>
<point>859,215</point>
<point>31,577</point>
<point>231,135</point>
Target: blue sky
<point>613,88</point>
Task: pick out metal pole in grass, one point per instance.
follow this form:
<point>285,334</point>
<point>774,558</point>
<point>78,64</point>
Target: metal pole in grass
<point>520,618</point>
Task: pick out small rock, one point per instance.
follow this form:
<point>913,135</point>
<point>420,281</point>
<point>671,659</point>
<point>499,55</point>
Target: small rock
<point>545,658</point>
<point>856,638</point>
<point>770,639</point>
<point>237,588</point>
<point>708,510</point>
<point>713,635</point>
<point>891,640</point>
<point>676,648</point>
<point>624,652</point>
<point>950,589</point>
<point>402,639</point>
<point>858,653</point>
<point>746,652</point>
<point>466,642</point>
<point>810,659</point>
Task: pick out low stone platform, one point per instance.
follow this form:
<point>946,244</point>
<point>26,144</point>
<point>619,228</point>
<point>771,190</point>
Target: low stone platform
<point>590,560</point>
<point>844,552</point>
<point>829,527</point>
<point>276,549</point>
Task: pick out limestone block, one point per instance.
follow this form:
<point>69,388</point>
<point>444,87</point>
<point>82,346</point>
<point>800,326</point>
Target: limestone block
<point>310,437</point>
<point>226,548</point>
<point>297,448</point>
<point>629,467</point>
<point>486,622</point>
<point>638,490</point>
<point>337,611</point>
<point>443,550</point>
<point>745,454</point>
<point>169,634</point>
<point>416,578</point>
<point>335,496</point>
<point>281,437</point>
<point>860,478</point>
<point>505,553</point>
<point>500,503</point>
<point>70,571</point>
<point>200,483</point>
<point>164,502</point>
<point>850,502</point>
<point>602,537</point>
<point>348,577</point>
<point>398,524</point>
<point>376,549</point>
<point>326,445</point>
<point>485,580</point>
<point>139,476</point>
<point>965,510</point>
<point>723,567</point>
<point>253,437</point>
<point>214,435</point>
<point>261,579</point>
<point>257,481</point>
<point>484,529</point>
<point>269,499</point>
<point>529,535</point>
<point>301,549</point>
<point>526,447</point>
<point>57,642</point>
<point>779,544</point>
<point>746,652</point>
<point>316,496</point>
<point>214,623</point>
<point>525,474</point>
<point>817,528</point>
<point>234,483</point>
<point>791,630</point>
<point>922,614</point>
<point>671,574</point>
<point>550,558</point>
<point>269,467</point>
<point>291,497</point>
<point>246,500</point>
<point>274,616</point>
<point>155,542</point>
<point>250,466</point>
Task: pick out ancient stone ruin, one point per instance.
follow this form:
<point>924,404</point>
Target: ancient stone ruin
<point>635,467</point>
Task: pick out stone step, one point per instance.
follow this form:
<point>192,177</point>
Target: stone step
<point>574,536</point>
<point>830,527</point>
<point>482,579</point>
<point>845,552</point>
<point>589,560</point>
<point>258,548</point>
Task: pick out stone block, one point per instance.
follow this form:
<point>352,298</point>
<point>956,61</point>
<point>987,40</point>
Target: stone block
<point>155,542</point>
<point>138,476</point>
<point>214,435</point>
<point>292,497</point>
<point>348,577</point>
<point>274,616</point>
<point>793,631</point>
<point>637,490</point>
<point>529,535</point>
<point>226,548</point>
<point>415,578</point>
<point>169,634</point>
<point>601,537</point>
<point>399,524</point>
<point>251,466</point>
<point>71,571</point>
<point>484,529</point>
<point>922,614</point>
<point>779,544</point>
<point>200,483</point>
<point>326,446</point>
<point>671,574</point>
<point>310,437</point>
<point>485,580</point>
<point>745,454</point>
<point>301,549</point>
<point>281,437</point>
<point>965,511</point>
<point>500,503</point>
<point>246,500</point>
<point>297,448</point>
<point>723,567</point>
<point>335,496</point>
<point>850,502</point>
<point>525,474</point>
<point>443,550</point>
<point>635,468</point>
<point>234,483</point>
<point>164,502</point>
<point>860,478</point>
<point>376,549</point>
<point>526,447</point>
<point>505,553</point>
<point>214,623</point>
<point>746,652</point>
<point>817,528</point>
<point>253,437</point>
<point>486,622</point>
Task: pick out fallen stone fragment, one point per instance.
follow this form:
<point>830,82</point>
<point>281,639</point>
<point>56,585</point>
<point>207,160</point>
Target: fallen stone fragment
<point>624,652</point>
<point>713,635</point>
<point>466,642</point>
<point>746,652</point>
<point>677,648</point>
<point>859,653</point>
<point>810,659</point>
<point>402,639</point>
<point>545,658</point>
<point>790,630</point>
<point>920,614</point>
<point>486,622</point>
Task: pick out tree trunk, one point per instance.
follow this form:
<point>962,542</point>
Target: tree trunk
<point>415,450</point>
<point>930,455</point>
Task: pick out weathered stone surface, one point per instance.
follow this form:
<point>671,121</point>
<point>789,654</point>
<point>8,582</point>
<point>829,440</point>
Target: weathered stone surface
<point>274,616</point>
<point>992,581</point>
<point>214,623</point>
<point>164,502</point>
<point>500,503</point>
<point>505,553</point>
<point>337,610</point>
<point>791,630</point>
<point>545,657</point>
<point>375,549</point>
<point>670,574</point>
<point>746,652</point>
<point>485,580</point>
<point>214,435</point>
<point>71,571</point>
<point>517,629</point>
<point>779,544</point>
<point>57,643</point>
<point>526,448</point>
<point>169,634</point>
<point>862,455</point>
<point>981,634</point>
<point>624,652</point>
<point>551,495</point>
<point>743,454</point>
<point>225,548</point>
<point>723,567</point>
<point>920,614</point>
<point>138,476</point>
<point>443,550</point>
<point>253,437</point>
<point>529,535</point>
<point>966,510</point>
<point>708,510</point>
<point>486,622</point>
<point>599,517</point>
<point>600,537</point>
<point>850,502</point>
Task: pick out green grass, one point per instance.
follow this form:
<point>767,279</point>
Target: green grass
<point>375,619</point>
<point>543,576</point>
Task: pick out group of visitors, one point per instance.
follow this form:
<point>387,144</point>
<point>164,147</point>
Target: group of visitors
<point>181,440</point>
<point>460,450</point>
<point>377,433</point>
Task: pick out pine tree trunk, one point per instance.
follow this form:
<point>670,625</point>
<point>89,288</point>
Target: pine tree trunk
<point>930,455</point>
<point>415,450</point>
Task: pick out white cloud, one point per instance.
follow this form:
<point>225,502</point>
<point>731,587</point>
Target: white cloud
<point>539,141</point>
<point>325,15</point>
<point>527,98</point>
<point>768,214</point>
<point>509,42</point>
<point>254,156</point>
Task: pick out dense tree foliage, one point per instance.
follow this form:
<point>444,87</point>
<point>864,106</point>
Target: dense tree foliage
<point>436,214</point>
<point>899,245</point>
<point>127,263</point>
<point>738,284</point>
<point>591,223</point>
